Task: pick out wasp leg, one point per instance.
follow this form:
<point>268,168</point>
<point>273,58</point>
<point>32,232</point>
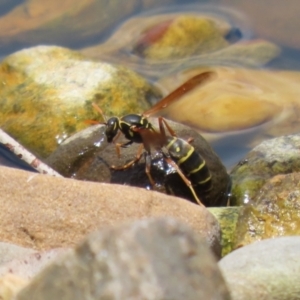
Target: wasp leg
<point>183,177</point>
<point>148,160</point>
<point>162,123</point>
<point>135,160</point>
<point>147,145</point>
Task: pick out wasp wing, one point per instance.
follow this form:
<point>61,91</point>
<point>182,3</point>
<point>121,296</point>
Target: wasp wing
<point>180,91</point>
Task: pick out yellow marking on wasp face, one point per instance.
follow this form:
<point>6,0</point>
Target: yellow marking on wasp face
<point>177,149</point>
<point>205,180</point>
<point>184,158</point>
<point>131,133</point>
<point>198,168</point>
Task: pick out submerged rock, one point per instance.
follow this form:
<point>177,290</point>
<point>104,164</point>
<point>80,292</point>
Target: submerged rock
<point>32,22</point>
<point>182,36</point>
<point>47,92</point>
<point>169,42</point>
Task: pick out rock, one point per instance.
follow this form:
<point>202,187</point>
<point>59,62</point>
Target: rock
<point>52,85</point>
<point>58,212</point>
<point>9,252</point>
<point>31,22</point>
<point>227,218</point>
<point>197,35</point>
<point>267,269</point>
<point>227,102</point>
<point>276,156</point>
<point>27,266</point>
<point>167,43</point>
<point>87,156</point>
<point>10,285</point>
<point>147,259</point>
<point>274,211</point>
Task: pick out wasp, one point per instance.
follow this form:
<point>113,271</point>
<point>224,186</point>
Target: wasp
<point>179,153</point>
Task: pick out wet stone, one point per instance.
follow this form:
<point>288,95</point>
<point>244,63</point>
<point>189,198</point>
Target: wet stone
<point>88,156</point>
<point>275,156</point>
<point>275,211</point>
<point>227,218</point>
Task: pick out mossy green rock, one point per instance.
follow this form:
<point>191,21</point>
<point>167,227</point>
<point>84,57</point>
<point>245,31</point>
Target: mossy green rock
<point>227,218</point>
<point>47,92</point>
<point>274,212</point>
<point>276,156</point>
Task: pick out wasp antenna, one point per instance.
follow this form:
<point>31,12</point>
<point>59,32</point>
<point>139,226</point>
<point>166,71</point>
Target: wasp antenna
<point>99,110</point>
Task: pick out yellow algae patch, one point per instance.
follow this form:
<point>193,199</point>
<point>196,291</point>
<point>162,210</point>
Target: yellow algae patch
<point>185,36</point>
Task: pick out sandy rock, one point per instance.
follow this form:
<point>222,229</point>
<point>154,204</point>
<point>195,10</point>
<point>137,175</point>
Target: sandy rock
<point>10,285</point>
<point>264,270</point>
<point>27,266</point>
<point>147,259</point>
<point>10,251</point>
<point>58,212</point>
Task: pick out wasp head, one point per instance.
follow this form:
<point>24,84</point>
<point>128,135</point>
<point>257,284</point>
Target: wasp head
<point>112,127</point>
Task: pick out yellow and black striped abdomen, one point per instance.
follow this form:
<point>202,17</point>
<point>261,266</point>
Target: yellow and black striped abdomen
<point>191,163</point>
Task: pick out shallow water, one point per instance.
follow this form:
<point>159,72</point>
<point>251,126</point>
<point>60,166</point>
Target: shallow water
<point>248,24</point>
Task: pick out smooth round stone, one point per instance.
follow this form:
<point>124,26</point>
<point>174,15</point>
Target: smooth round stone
<point>267,269</point>
<point>238,100</point>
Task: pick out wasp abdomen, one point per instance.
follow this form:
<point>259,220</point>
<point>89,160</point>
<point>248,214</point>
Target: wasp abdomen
<point>190,162</point>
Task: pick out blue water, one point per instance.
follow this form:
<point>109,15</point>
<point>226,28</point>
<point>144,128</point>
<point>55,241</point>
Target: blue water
<point>9,159</point>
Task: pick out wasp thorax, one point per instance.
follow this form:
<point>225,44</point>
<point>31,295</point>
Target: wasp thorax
<point>112,128</point>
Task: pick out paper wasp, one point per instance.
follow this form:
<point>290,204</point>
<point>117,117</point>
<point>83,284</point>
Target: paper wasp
<point>177,152</point>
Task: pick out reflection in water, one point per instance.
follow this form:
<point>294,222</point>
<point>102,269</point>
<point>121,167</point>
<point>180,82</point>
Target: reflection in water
<point>8,5</point>
<point>9,159</point>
